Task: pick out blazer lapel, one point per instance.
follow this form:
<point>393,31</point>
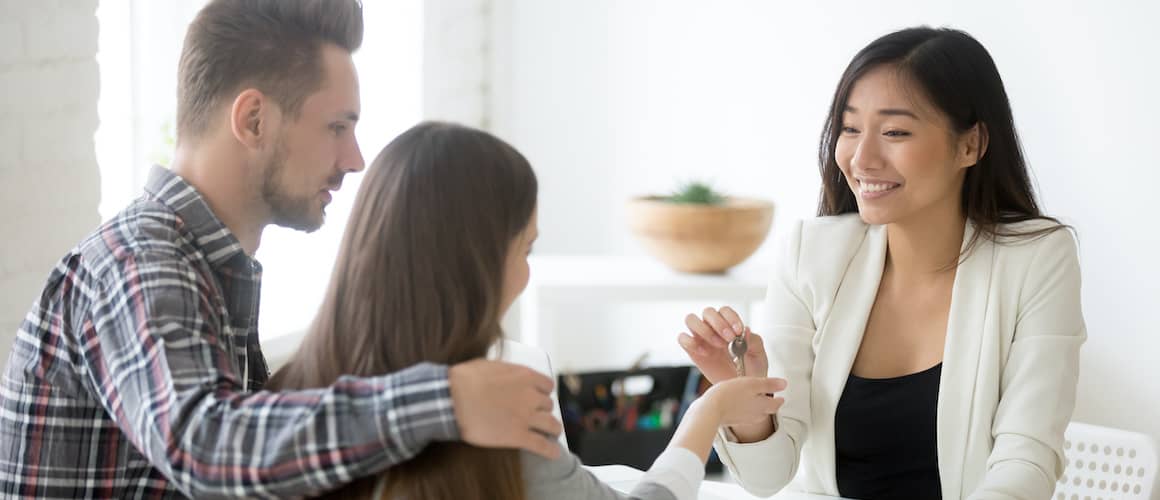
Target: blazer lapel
<point>965,325</point>
<point>840,338</point>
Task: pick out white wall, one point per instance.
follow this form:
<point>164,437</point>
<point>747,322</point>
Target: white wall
<point>48,168</point>
<point>610,99</point>
<point>456,54</point>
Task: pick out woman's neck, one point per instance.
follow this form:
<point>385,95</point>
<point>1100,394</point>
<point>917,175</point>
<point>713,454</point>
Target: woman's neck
<point>925,245</point>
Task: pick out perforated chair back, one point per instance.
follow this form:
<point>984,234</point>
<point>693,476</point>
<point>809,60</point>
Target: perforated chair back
<point>1106,463</point>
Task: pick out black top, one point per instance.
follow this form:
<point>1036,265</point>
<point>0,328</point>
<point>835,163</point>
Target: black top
<point>885,435</point>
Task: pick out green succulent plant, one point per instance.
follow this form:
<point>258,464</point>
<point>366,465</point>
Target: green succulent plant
<point>696,193</point>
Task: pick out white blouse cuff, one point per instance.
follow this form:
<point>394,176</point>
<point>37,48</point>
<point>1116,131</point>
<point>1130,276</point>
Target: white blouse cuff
<point>678,470</point>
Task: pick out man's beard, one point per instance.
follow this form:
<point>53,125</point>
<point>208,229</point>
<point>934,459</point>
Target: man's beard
<point>286,210</point>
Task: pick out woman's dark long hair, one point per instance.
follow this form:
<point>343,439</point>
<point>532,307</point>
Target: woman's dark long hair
<point>960,79</point>
<point>419,277</point>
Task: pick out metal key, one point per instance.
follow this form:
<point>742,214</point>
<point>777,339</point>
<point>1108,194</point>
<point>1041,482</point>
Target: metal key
<point>737,348</point>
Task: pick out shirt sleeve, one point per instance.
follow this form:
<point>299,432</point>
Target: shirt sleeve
<point>675,475</point>
<point>154,350</point>
<point>677,470</point>
<point>1038,383</point>
<point>766,467</point>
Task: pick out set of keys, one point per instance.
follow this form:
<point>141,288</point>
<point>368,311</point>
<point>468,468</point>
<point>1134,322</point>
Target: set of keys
<point>737,349</point>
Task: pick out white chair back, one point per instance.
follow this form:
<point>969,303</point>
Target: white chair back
<point>1106,463</point>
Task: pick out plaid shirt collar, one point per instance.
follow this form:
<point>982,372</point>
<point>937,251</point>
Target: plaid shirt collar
<point>211,235</point>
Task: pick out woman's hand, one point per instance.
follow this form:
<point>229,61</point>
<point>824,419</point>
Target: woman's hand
<point>708,345</point>
<point>744,400</point>
<point>738,402</point>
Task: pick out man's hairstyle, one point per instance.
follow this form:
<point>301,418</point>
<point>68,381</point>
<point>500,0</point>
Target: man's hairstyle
<point>270,45</point>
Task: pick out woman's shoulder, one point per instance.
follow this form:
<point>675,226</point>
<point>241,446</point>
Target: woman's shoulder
<point>832,237</point>
<point>816,251</point>
<point>1032,253</point>
<point>1034,236</point>
<point>1030,226</point>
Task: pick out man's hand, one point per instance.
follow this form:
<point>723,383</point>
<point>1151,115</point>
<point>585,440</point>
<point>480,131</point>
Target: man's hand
<point>503,405</point>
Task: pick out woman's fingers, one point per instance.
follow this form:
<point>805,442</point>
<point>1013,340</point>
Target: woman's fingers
<point>772,405</point>
<point>720,325</point>
<point>750,399</point>
<point>756,348</point>
<point>703,331</point>
<point>762,385</point>
<point>771,385</point>
<point>693,346</point>
<point>732,318</point>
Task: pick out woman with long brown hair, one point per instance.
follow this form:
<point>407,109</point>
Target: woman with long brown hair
<point>434,253</point>
<point>928,321</point>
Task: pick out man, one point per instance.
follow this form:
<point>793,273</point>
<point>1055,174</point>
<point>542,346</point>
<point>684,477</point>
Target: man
<point>138,372</point>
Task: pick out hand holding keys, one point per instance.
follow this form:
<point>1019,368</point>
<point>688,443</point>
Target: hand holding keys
<point>722,346</point>
<point>737,349</point>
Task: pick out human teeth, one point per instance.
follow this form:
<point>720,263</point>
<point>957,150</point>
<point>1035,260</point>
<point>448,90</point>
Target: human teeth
<point>874,188</point>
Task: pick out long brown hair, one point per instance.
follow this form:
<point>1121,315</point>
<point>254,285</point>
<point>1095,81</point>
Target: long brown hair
<point>958,76</point>
<point>419,278</point>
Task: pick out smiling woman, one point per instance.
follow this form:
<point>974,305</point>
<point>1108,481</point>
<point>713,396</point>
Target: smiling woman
<point>928,321</point>
<point>941,135</point>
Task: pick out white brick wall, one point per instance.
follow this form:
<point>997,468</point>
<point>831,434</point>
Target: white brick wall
<point>456,58</point>
<point>49,183</point>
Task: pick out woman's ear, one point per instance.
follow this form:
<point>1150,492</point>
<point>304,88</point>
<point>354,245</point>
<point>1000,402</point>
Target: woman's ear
<point>972,145</point>
<point>250,115</point>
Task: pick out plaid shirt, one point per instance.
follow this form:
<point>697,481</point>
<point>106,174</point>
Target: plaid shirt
<point>136,375</point>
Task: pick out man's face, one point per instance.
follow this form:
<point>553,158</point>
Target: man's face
<point>314,152</point>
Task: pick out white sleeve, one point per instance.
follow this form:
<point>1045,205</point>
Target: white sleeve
<point>677,470</point>
<point>1038,384</point>
<point>765,467</point>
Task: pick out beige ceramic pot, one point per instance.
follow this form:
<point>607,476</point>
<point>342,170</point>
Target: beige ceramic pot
<point>700,238</point>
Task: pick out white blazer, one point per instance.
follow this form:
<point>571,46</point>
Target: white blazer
<point>1009,369</point>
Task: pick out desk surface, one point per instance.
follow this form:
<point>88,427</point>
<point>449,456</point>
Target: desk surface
<point>623,478</point>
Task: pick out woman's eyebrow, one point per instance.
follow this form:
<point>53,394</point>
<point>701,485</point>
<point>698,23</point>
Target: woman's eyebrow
<point>887,112</point>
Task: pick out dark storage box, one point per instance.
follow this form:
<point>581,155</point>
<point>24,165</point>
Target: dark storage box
<point>627,417</point>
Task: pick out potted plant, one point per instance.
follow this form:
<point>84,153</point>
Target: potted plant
<point>698,230</point>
